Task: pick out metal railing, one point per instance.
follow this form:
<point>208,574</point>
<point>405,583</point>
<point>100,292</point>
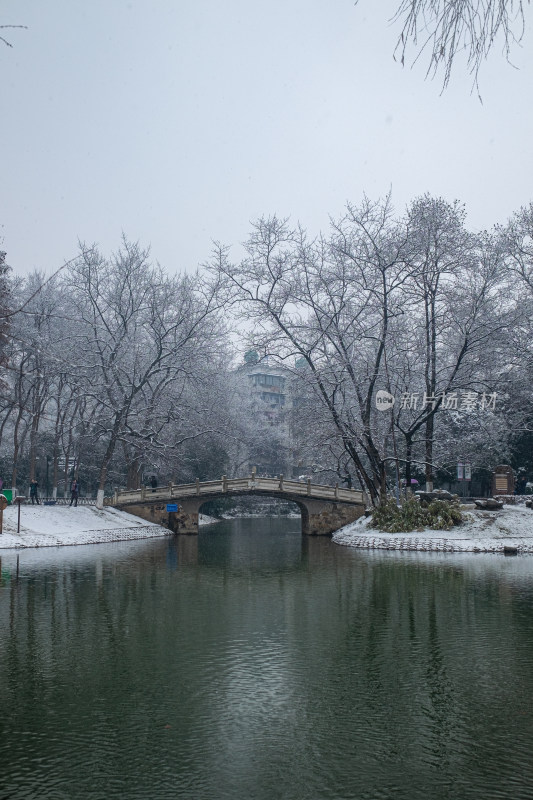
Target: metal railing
<point>237,486</point>
<point>62,501</point>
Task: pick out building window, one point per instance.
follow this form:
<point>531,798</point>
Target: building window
<point>268,380</point>
<point>273,399</point>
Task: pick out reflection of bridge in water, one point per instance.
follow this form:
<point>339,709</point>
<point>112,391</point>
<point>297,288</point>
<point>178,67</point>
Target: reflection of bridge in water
<point>324,509</point>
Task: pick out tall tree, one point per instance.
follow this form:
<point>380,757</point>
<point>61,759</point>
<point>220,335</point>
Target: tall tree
<point>5,292</point>
<point>329,302</point>
<point>141,338</point>
<point>515,240</point>
<point>440,250</point>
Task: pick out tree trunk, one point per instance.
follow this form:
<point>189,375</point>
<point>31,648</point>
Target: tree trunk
<point>55,470</point>
<point>33,442</point>
<point>408,458</point>
<point>133,469</point>
<point>16,450</point>
<point>383,485</point>
<point>429,453</point>
<point>106,460</point>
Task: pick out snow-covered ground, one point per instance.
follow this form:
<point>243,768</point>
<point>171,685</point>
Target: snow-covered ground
<point>481,532</point>
<point>204,519</point>
<point>49,526</point>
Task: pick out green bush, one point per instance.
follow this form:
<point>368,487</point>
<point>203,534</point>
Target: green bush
<point>412,515</point>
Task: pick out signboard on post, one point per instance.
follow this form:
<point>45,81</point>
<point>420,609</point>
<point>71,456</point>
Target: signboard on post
<point>468,472</point>
<point>172,507</point>
<point>503,480</point>
<point>460,473</point>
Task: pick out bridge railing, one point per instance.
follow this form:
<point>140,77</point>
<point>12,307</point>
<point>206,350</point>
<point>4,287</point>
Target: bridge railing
<point>236,485</point>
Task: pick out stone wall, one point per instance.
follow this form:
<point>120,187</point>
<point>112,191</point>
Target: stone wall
<point>321,518</point>
<point>156,512</point>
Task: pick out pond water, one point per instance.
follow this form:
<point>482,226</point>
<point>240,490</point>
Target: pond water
<point>251,662</point>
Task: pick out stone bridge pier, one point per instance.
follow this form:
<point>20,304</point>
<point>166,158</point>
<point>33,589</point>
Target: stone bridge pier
<point>323,517</point>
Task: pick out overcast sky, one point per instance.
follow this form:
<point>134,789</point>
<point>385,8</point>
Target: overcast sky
<point>179,121</point>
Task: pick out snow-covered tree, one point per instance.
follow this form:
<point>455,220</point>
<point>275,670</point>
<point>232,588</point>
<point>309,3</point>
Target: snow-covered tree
<point>412,305</point>
<point>142,339</point>
<point>329,302</point>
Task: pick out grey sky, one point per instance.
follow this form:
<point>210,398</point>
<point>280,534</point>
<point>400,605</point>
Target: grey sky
<point>179,121</point>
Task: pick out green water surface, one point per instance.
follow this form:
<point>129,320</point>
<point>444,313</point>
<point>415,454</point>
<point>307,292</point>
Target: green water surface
<point>250,662</point>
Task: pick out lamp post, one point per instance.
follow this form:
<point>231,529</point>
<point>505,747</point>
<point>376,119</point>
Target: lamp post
<point>47,477</point>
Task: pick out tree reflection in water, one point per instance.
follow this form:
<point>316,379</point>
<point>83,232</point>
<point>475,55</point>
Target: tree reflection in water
<point>253,662</point>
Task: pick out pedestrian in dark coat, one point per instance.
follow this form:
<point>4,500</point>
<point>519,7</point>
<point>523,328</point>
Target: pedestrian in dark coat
<point>74,492</point>
<point>34,492</point>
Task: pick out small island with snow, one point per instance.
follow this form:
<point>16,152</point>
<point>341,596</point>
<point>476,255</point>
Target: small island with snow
<point>490,526</point>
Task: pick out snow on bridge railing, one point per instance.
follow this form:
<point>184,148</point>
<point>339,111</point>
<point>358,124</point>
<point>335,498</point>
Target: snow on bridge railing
<point>236,485</point>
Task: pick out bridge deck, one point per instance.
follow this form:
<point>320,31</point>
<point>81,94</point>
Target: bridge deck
<point>225,486</point>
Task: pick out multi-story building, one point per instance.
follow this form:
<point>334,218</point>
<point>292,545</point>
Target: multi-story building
<point>268,389</point>
<point>267,383</point>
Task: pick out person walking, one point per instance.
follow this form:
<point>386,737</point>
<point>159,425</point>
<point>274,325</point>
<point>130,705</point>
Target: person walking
<point>34,491</point>
<point>74,492</point>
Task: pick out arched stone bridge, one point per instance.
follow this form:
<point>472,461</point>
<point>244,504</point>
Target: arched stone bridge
<point>324,509</point>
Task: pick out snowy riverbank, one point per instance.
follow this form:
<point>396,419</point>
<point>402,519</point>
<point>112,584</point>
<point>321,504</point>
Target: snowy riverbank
<point>481,532</point>
<point>50,526</point>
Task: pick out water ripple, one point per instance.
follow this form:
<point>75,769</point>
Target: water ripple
<point>265,668</point>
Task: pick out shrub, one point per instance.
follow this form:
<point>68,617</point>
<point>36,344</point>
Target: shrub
<point>412,514</point>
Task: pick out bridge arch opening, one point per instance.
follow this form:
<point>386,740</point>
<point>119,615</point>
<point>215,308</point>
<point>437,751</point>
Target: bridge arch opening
<point>252,505</point>
<point>258,502</point>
